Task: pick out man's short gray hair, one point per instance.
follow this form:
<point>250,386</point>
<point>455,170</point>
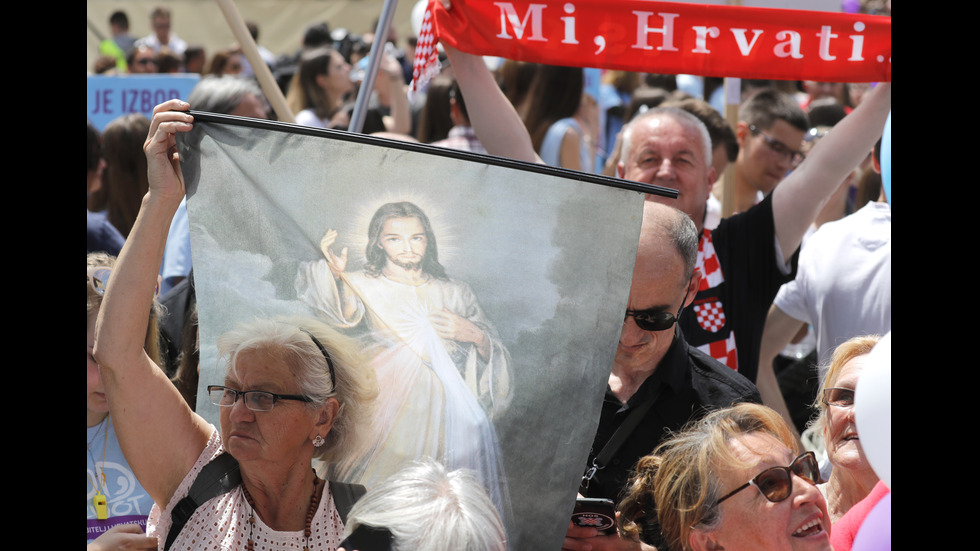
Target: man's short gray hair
<point>666,222</point>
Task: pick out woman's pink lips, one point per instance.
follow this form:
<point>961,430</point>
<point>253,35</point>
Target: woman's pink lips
<point>239,435</point>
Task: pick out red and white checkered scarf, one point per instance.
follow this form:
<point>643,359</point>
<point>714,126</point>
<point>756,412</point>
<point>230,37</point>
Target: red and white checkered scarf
<point>711,313</point>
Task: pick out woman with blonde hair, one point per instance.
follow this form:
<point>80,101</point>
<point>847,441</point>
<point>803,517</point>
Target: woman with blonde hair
<point>733,480</point>
<point>851,478</point>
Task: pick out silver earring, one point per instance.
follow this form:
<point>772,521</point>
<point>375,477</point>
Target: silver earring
<point>318,441</point>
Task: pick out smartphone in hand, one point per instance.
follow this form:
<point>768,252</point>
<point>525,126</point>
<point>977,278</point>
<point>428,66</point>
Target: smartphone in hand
<point>594,512</point>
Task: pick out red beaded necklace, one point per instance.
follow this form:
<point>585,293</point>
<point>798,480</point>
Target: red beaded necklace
<point>314,502</point>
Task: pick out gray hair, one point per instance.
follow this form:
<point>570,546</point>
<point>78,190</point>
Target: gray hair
<point>680,115</point>
<point>427,508</point>
<point>661,220</point>
<point>289,338</point>
<point>222,94</point>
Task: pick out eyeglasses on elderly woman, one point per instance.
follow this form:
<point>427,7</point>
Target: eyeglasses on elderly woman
<point>776,483</point>
<point>255,400</point>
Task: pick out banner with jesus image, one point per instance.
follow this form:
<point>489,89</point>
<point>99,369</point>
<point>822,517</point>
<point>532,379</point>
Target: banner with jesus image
<point>489,295</point>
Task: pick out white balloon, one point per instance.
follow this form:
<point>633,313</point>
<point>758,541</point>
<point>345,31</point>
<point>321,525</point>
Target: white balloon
<point>873,409</point>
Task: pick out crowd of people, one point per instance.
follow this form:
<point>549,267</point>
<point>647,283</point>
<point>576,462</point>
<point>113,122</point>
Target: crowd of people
<point>728,416</point>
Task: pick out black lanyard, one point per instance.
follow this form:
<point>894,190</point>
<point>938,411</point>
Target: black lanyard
<point>617,439</point>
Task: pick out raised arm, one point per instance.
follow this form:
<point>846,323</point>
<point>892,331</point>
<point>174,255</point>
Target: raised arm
<point>494,119</point>
<point>158,433</point>
<point>400,119</point>
<point>800,197</point>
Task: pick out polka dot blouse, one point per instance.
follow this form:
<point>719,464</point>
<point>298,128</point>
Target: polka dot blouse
<point>221,524</point>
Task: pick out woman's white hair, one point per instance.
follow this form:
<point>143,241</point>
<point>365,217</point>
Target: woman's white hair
<point>291,339</point>
<point>427,508</point>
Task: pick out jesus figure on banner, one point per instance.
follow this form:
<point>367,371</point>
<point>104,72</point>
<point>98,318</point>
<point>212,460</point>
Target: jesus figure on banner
<point>441,367</point>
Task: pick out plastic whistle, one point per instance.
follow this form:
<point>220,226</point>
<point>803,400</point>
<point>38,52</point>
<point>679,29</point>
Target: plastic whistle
<point>101,507</point>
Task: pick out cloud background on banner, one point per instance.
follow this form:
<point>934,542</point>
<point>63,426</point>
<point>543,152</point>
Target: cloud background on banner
<point>549,259</point>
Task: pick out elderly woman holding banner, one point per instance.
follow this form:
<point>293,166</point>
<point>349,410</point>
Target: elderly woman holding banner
<point>294,390</point>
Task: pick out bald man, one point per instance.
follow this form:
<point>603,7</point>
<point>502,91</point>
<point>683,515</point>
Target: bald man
<point>655,374</point>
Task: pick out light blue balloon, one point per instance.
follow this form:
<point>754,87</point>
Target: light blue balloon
<point>886,158</point>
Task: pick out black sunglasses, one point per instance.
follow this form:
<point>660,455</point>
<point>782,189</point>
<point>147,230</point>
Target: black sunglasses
<point>776,483</point>
<point>655,319</point>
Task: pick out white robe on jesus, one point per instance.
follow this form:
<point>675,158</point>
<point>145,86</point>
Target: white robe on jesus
<point>436,395</point>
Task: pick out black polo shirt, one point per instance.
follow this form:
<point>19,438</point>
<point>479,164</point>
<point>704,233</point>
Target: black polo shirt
<point>686,385</point>
<point>745,244</point>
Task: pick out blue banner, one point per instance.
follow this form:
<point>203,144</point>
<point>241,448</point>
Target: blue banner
<point>112,96</point>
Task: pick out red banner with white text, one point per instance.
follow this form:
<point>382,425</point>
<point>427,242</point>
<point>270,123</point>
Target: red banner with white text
<point>673,38</point>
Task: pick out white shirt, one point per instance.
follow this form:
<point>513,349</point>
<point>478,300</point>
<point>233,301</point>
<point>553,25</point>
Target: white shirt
<point>843,282</point>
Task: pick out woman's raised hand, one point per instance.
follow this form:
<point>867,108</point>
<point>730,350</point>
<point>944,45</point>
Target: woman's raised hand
<point>162,161</point>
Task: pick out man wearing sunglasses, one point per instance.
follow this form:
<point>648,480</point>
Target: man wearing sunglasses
<point>141,60</point>
<point>770,132</point>
<point>658,383</point>
<point>749,255</point>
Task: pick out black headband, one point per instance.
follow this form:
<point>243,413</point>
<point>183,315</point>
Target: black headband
<point>333,380</point>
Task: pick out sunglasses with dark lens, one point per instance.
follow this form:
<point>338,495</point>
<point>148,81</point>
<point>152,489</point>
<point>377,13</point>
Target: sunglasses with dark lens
<point>654,319</point>
<point>776,483</point>
<point>837,396</point>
